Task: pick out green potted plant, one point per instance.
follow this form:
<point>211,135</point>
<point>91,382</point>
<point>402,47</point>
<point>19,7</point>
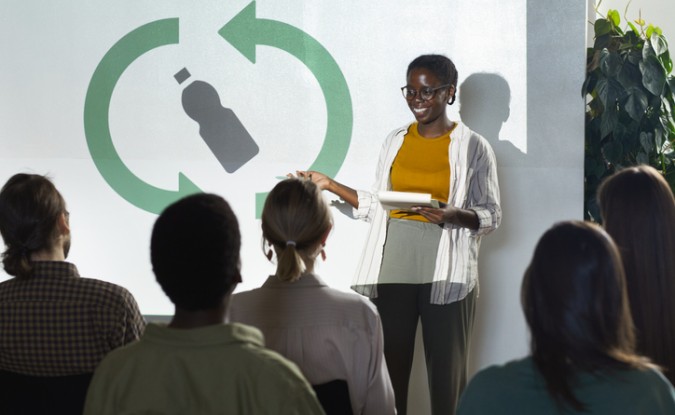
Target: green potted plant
<point>629,110</point>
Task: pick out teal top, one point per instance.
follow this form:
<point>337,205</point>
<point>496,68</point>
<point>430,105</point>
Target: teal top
<point>518,388</point>
<point>219,369</point>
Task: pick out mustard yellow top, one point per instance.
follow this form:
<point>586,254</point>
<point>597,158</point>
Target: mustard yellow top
<point>421,166</point>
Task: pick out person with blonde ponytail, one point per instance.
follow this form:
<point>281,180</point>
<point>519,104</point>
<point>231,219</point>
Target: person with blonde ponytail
<point>331,335</point>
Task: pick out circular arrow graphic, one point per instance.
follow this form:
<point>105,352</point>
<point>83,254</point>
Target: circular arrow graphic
<point>97,127</point>
<point>245,32</point>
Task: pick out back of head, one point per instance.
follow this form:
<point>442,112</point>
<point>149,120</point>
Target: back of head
<point>441,66</point>
<point>295,218</point>
<point>194,251</point>
<point>638,210</point>
<point>30,207</point>
<point>576,306</point>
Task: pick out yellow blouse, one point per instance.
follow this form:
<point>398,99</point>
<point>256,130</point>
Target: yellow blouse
<point>421,166</point>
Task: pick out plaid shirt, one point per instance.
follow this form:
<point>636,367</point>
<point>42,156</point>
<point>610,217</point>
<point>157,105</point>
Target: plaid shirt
<point>56,323</point>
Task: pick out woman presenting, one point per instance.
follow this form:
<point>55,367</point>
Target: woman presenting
<point>422,263</point>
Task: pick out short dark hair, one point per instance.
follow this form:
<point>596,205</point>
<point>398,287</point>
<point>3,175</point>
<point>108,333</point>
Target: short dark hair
<point>194,251</point>
<point>30,207</point>
<point>441,66</point>
<point>576,306</point>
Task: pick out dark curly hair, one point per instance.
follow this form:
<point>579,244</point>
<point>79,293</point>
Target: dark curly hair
<point>441,66</point>
<point>194,251</point>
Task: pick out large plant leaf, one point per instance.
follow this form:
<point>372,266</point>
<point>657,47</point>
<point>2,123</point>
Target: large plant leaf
<point>630,41</point>
<point>610,63</point>
<point>647,50</point>
<point>636,104</point>
<point>653,75</point>
<point>602,27</point>
<point>658,138</point>
<point>647,141</point>
<point>630,76</point>
<point>609,91</point>
<point>658,43</point>
<point>634,56</point>
<point>613,16</point>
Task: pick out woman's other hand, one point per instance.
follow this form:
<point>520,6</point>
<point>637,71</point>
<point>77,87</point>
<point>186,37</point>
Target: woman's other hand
<point>465,218</point>
<point>321,180</point>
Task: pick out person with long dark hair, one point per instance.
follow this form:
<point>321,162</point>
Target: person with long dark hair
<point>582,342</point>
<point>638,209</point>
<point>333,336</point>
<point>422,263</point>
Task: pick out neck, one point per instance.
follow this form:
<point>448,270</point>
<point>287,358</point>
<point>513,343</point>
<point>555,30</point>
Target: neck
<point>436,129</point>
<point>184,319</point>
<point>51,254</point>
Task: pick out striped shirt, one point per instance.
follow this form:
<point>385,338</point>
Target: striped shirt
<point>55,323</point>
<point>473,185</point>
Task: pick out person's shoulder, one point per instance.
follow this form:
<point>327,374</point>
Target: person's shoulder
<point>121,358</point>
<point>649,378</point>
<point>398,132</point>
<point>266,364</point>
<point>105,293</point>
<point>466,133</point>
<point>501,377</point>
<point>501,383</point>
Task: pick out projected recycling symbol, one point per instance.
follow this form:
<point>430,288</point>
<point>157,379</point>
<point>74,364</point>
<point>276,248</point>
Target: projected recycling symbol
<point>220,128</point>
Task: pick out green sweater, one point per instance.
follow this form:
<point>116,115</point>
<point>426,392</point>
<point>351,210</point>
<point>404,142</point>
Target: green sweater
<point>518,388</point>
<point>220,369</point>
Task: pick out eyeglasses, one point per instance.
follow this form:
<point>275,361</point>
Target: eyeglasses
<point>426,93</point>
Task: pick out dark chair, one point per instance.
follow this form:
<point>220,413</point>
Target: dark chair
<point>28,395</point>
<point>334,397</point>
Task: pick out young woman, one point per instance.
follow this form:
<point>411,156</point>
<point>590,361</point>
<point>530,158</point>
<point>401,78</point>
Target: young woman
<point>422,264</point>
<point>582,341</point>
<point>331,335</point>
<point>638,210</point>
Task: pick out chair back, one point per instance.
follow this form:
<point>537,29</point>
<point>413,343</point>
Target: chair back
<point>334,397</point>
<point>28,395</point>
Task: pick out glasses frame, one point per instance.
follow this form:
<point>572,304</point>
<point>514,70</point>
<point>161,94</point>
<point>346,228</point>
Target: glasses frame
<point>427,90</point>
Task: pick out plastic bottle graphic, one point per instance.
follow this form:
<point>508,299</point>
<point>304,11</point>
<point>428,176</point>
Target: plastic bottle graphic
<point>220,128</point>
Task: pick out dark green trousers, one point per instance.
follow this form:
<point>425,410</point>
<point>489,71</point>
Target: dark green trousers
<point>446,332</point>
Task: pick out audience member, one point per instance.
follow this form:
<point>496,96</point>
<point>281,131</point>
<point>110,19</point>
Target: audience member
<point>198,364</point>
<point>331,335</point>
<point>55,326</point>
<point>638,211</point>
<point>582,341</point>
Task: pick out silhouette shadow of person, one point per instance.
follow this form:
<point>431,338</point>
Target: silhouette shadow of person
<point>484,106</point>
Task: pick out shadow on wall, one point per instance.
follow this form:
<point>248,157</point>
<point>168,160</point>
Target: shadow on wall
<point>484,106</point>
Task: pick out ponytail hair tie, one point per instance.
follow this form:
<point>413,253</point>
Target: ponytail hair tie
<point>291,243</point>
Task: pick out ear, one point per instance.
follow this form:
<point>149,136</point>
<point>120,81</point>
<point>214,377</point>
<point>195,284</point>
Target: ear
<point>451,92</point>
<point>63,224</point>
<point>325,235</point>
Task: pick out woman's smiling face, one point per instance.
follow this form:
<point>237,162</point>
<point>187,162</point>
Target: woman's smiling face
<point>431,111</point>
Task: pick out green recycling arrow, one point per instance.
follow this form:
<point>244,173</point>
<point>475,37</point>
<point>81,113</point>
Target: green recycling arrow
<point>96,123</point>
<point>245,32</point>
